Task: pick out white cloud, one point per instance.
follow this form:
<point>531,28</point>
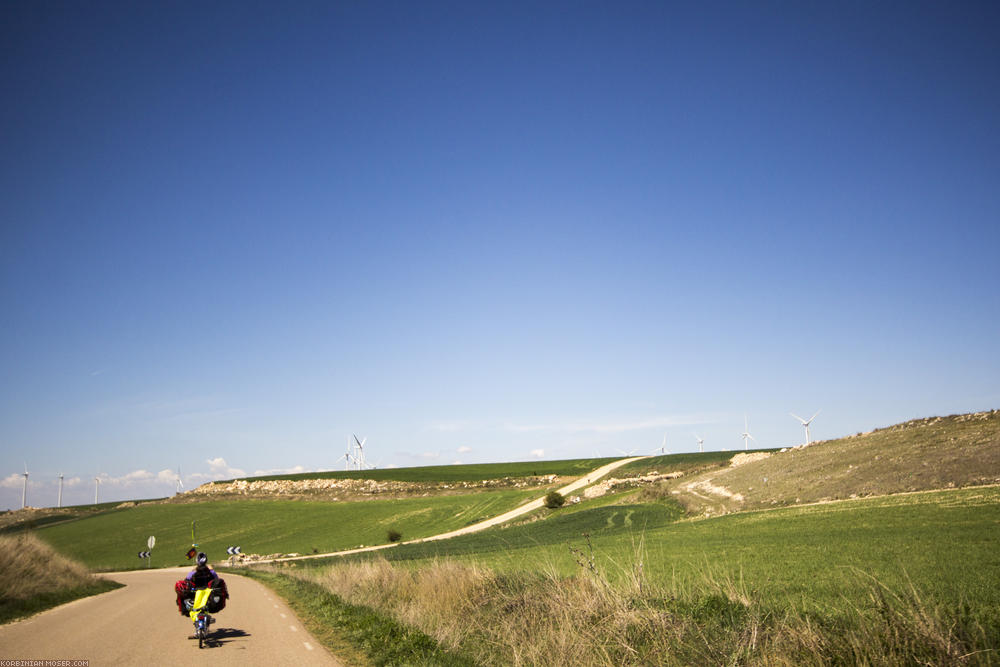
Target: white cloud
<point>464,450</point>
<point>219,469</point>
<point>129,479</point>
<point>166,477</point>
<point>538,453</point>
<point>13,481</point>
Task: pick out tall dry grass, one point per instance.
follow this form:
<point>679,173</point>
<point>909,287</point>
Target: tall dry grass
<point>542,618</point>
<point>30,568</point>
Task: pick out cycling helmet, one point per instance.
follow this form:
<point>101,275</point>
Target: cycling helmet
<point>202,559</point>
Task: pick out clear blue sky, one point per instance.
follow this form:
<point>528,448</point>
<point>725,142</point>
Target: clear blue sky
<point>232,235</point>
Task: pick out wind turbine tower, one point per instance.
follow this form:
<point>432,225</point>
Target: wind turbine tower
<point>97,486</point>
<point>59,504</point>
<point>746,434</point>
<point>360,456</point>
<point>180,483</point>
<point>806,422</point>
<point>701,443</point>
<point>24,491</point>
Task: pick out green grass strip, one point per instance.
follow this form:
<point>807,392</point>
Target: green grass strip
<point>12,609</point>
<point>357,635</point>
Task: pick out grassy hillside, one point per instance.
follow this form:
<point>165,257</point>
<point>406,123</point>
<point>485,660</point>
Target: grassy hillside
<point>905,579</point>
<point>923,454</point>
<point>797,555</point>
<point>112,540</point>
<point>890,574</point>
<point>33,578</point>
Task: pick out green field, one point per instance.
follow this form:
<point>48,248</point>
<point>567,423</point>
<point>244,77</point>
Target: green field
<point>454,473</point>
<point>898,580</point>
<point>907,578</point>
<point>810,557</point>
<point>111,541</point>
<point>681,462</point>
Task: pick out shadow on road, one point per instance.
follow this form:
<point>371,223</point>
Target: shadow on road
<point>221,636</point>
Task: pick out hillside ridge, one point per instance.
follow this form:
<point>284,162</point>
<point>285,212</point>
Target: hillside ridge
<point>917,455</point>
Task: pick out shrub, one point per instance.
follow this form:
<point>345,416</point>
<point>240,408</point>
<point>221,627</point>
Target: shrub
<point>554,500</point>
<point>394,535</point>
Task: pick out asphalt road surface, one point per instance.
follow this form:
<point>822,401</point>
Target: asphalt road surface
<point>140,625</point>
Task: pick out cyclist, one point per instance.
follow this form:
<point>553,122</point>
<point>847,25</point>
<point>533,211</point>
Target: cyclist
<point>202,576</point>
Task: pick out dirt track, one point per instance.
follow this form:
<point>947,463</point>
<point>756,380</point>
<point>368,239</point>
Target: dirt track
<point>140,625</point>
<point>482,525</point>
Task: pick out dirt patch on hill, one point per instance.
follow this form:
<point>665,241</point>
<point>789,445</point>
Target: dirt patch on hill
<point>600,489</point>
<point>741,459</point>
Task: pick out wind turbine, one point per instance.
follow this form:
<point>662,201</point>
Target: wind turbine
<point>24,491</point>
<point>59,504</point>
<point>624,453</point>
<point>180,483</point>
<point>701,443</point>
<point>746,434</point>
<point>806,422</point>
<point>663,446</point>
<point>360,458</point>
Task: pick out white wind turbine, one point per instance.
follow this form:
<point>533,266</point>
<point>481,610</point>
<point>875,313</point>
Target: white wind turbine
<point>746,434</point>
<point>346,458</point>
<point>701,443</point>
<point>360,458</point>
<point>180,483</point>
<point>24,491</point>
<point>663,446</point>
<point>59,504</point>
<point>806,422</point>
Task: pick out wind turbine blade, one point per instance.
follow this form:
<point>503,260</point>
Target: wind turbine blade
<point>814,416</point>
<point>356,440</point>
<point>797,417</point>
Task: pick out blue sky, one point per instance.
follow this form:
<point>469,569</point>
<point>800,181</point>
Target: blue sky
<point>232,236</point>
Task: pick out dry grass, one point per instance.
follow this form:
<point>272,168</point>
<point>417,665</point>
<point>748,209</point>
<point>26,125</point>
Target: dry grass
<point>33,578</point>
<point>547,619</point>
<point>919,455</point>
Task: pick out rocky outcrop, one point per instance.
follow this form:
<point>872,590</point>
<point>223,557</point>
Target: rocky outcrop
<point>598,490</point>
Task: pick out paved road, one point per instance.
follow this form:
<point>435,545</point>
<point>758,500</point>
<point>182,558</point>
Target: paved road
<point>140,625</point>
